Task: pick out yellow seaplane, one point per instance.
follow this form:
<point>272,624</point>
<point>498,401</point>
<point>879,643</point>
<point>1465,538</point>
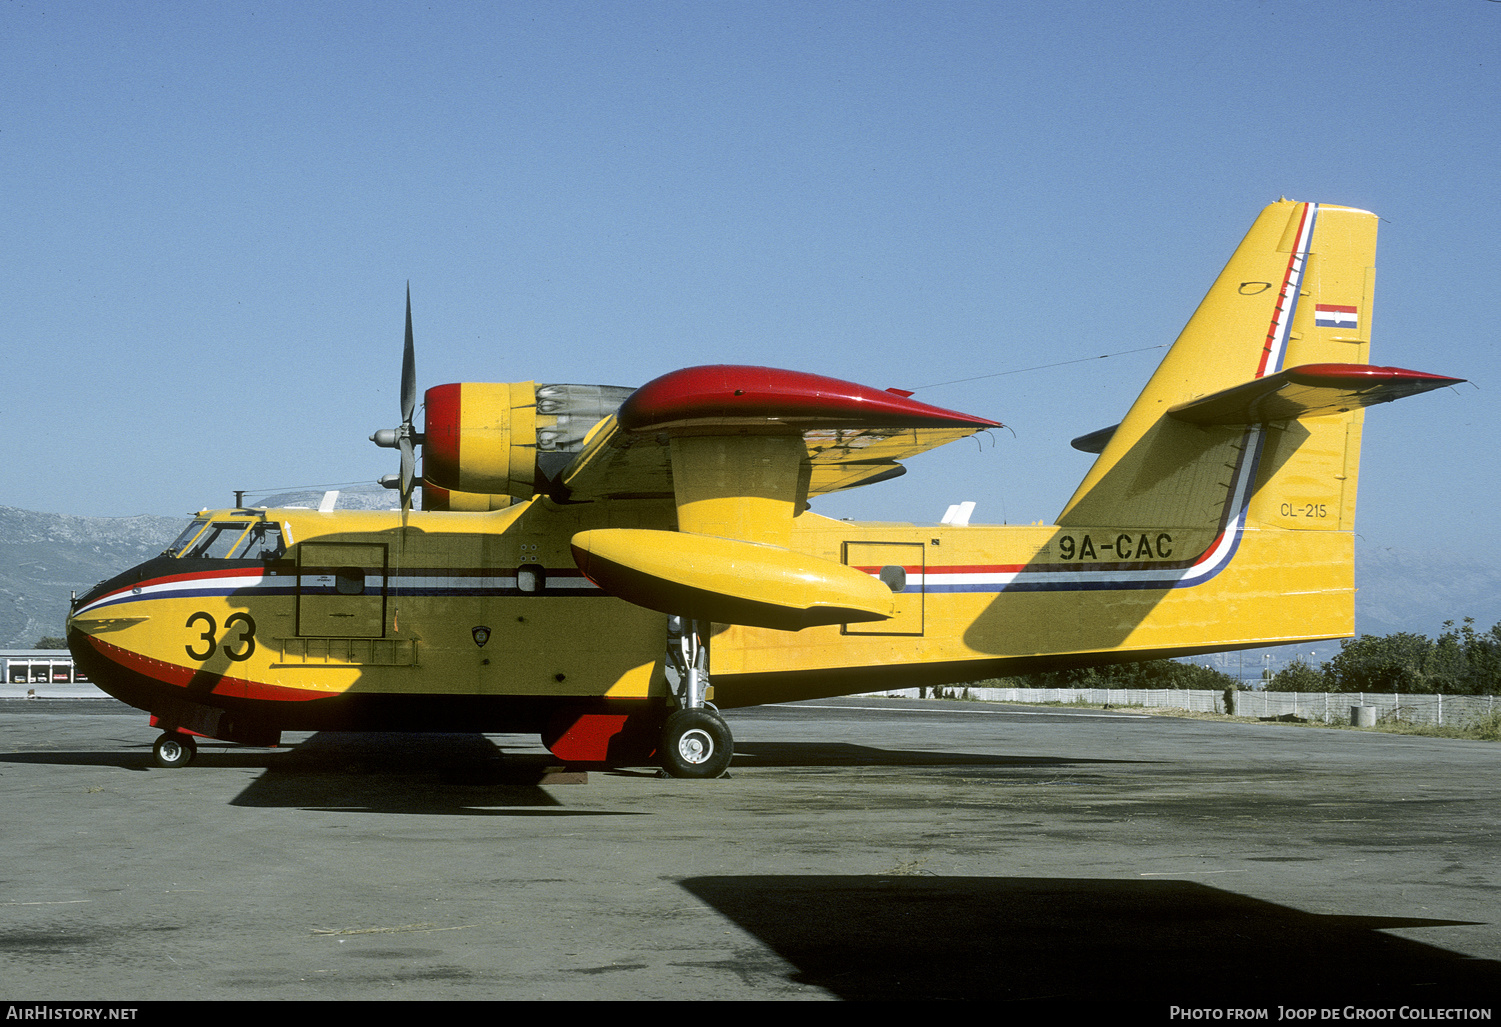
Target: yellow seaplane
<point>581,551</point>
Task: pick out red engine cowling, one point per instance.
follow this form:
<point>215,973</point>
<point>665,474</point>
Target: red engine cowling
<point>485,441</point>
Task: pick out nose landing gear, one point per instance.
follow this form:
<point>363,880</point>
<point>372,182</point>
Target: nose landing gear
<point>174,749</point>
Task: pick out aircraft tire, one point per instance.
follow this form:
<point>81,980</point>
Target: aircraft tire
<point>174,750</point>
<point>697,744</point>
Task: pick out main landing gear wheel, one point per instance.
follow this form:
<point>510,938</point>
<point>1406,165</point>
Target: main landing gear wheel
<point>696,743</point>
<point>174,750</point>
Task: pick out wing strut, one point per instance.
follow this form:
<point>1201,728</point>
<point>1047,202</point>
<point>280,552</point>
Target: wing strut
<point>688,659</point>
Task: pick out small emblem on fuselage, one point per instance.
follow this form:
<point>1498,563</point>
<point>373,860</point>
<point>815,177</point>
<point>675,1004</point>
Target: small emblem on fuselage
<point>481,635</point>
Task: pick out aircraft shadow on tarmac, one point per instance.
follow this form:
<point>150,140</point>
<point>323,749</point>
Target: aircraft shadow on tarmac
<point>135,757</point>
<point>467,774</point>
<point>1014,939</point>
<point>455,774</point>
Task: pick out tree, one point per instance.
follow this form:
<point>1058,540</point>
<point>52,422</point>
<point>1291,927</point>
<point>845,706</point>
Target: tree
<point>1297,676</point>
<point>1462,661</point>
<point>1147,674</point>
<point>1483,652</point>
<point>51,642</point>
<point>1380,663</point>
<point>1465,662</point>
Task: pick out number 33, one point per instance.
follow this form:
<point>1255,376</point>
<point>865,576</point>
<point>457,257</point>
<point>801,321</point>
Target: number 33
<point>245,638</point>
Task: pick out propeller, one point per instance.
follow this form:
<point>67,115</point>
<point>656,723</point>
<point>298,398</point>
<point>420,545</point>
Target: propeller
<point>404,438</point>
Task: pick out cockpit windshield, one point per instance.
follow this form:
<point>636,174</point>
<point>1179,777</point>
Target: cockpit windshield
<point>176,548</point>
<point>229,540</point>
<point>217,541</point>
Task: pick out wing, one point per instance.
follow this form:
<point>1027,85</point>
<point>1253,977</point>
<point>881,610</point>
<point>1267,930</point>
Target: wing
<point>850,434</point>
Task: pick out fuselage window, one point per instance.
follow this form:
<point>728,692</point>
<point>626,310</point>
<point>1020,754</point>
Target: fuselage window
<point>531,577</point>
<point>349,581</point>
<point>894,576</point>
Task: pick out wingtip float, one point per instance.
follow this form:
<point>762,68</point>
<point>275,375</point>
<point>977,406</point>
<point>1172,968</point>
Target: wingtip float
<point>581,548</point>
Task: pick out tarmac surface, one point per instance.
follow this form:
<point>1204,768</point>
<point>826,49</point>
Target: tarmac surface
<point>860,849</point>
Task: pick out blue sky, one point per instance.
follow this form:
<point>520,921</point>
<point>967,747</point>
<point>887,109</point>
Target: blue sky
<point>212,212</point>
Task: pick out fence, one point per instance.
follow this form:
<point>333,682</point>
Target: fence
<point>1335,706</point>
<point>1329,707</point>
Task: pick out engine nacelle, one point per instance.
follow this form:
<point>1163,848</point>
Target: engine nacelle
<point>435,497</point>
<point>508,438</point>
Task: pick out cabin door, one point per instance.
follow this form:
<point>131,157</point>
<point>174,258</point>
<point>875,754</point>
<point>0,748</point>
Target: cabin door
<point>341,590</point>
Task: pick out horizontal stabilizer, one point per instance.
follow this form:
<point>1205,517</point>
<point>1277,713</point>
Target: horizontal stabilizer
<point>1095,441</point>
<point>1312,390</point>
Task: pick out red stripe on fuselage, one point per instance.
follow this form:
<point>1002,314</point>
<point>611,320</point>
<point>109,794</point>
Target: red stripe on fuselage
<point>174,676</point>
<point>238,572</point>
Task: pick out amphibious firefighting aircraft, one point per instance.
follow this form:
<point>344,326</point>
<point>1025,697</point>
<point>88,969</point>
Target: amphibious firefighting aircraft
<point>581,550</point>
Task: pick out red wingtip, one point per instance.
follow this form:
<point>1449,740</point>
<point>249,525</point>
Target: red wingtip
<point>725,392</point>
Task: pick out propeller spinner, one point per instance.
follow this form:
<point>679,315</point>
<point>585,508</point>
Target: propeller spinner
<point>404,438</point>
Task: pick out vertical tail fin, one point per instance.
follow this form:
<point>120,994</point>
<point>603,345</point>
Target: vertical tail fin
<point>1297,291</point>
<point>1220,512</point>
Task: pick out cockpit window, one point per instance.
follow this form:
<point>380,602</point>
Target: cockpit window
<point>261,542</point>
<point>217,542</point>
<point>187,536</point>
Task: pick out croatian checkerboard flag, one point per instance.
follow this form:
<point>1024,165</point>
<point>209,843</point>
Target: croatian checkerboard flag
<point>1332,315</point>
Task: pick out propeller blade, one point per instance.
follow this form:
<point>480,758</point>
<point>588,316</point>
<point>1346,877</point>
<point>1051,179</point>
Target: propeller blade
<point>408,468</point>
<point>404,437</point>
<point>408,369</point>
